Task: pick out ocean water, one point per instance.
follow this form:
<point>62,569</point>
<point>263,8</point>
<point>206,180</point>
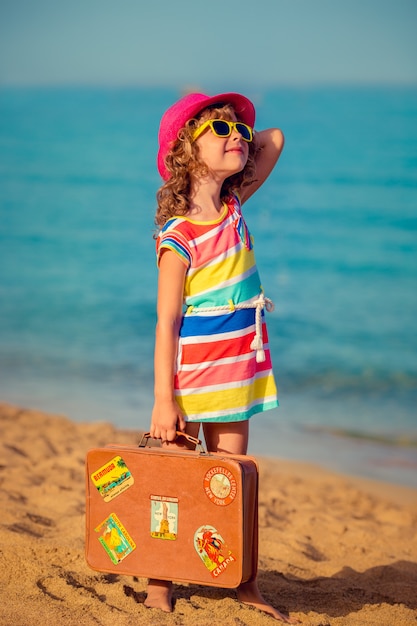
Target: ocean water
<point>335,232</point>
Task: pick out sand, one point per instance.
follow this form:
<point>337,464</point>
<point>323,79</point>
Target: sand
<point>333,549</point>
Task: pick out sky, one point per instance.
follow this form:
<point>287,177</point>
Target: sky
<point>226,42</point>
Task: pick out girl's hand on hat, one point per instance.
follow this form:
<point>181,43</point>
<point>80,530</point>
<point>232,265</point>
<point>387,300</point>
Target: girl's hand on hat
<point>269,145</point>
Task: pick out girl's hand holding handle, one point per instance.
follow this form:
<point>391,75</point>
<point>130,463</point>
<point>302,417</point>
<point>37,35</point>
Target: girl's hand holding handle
<point>166,420</point>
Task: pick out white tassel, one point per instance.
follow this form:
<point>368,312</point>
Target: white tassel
<point>256,343</point>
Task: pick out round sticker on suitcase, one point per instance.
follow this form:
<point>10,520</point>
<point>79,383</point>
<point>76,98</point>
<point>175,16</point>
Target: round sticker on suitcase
<point>220,485</point>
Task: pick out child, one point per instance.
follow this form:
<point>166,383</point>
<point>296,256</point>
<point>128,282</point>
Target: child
<point>212,362</point>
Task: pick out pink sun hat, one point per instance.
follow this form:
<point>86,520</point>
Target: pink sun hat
<point>187,107</point>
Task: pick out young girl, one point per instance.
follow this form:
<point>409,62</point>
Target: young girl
<point>212,362</point>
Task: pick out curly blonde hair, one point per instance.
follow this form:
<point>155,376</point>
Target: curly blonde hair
<point>183,162</point>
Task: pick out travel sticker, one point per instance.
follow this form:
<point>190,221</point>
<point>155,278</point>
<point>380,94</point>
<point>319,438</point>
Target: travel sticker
<point>220,485</point>
<point>164,517</point>
<point>115,539</point>
<point>112,478</point>
<point>212,549</point>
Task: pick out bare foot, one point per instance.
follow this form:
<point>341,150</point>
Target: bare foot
<point>159,595</point>
<point>248,593</point>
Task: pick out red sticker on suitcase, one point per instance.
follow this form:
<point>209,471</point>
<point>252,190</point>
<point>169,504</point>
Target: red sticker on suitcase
<point>115,539</point>
<point>220,485</point>
<point>212,550</point>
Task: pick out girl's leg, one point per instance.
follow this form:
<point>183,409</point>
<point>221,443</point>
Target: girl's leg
<point>232,438</point>
<point>159,595</point>
<point>159,592</point>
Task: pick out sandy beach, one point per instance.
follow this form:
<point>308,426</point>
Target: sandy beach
<point>334,550</point>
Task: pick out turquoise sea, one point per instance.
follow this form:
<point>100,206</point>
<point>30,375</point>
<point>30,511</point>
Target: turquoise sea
<point>335,234</point>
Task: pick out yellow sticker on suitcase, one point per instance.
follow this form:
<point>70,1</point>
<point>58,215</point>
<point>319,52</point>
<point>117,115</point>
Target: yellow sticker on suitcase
<point>115,539</point>
<point>112,479</point>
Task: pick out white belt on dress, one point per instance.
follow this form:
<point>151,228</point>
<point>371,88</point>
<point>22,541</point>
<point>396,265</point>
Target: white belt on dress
<point>259,304</point>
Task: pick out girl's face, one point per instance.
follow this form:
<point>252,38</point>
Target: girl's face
<point>224,156</point>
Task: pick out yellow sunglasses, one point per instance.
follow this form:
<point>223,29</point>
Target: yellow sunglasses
<point>223,128</point>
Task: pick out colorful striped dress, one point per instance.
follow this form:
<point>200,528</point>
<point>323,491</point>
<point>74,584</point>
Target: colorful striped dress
<point>218,377</point>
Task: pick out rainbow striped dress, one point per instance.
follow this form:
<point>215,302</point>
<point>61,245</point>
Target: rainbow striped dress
<point>218,377</point>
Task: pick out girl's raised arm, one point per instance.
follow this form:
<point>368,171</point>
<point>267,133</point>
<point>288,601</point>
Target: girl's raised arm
<point>269,144</point>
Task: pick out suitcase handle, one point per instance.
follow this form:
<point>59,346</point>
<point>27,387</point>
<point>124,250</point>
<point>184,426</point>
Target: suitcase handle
<point>189,438</point>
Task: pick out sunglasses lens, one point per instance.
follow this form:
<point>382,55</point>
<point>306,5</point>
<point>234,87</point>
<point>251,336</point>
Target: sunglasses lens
<point>244,130</point>
<point>221,128</point>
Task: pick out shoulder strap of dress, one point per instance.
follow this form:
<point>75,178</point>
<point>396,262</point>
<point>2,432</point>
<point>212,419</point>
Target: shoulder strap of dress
<point>235,200</point>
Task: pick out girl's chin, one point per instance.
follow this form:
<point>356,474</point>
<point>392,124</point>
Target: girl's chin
<point>239,163</point>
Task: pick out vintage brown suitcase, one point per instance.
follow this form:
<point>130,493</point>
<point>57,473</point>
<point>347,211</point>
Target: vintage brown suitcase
<point>186,515</point>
